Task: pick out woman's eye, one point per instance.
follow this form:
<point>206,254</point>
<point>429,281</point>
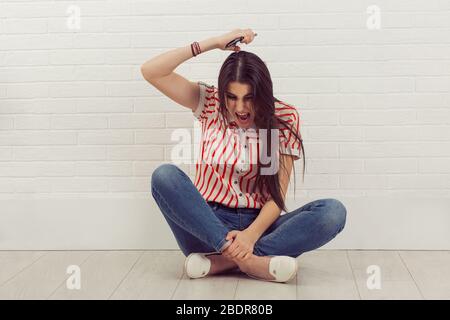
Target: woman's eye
<point>234,98</point>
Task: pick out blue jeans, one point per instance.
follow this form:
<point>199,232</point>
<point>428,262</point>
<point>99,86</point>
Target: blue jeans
<point>201,226</point>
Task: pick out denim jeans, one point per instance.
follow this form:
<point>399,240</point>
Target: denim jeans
<point>201,226</point>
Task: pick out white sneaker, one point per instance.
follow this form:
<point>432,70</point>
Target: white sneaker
<point>282,268</point>
<point>197,265</point>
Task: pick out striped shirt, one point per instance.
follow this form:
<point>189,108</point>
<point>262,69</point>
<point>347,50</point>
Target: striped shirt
<point>226,167</point>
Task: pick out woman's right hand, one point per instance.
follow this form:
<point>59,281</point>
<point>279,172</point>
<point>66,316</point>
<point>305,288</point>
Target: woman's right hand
<point>224,39</point>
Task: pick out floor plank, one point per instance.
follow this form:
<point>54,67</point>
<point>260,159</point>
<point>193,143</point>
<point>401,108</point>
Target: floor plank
<point>101,274</point>
<point>252,289</point>
<point>215,287</point>
<point>249,288</point>
<point>325,274</point>
<point>42,277</point>
<point>13,262</point>
<point>155,276</point>
<point>430,270</point>
<point>395,279</point>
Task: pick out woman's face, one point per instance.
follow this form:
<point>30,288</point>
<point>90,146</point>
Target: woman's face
<point>239,102</point>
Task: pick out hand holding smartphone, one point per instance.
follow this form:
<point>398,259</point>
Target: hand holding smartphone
<point>233,42</point>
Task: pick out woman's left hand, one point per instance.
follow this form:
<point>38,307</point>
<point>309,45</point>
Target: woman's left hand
<point>242,246</point>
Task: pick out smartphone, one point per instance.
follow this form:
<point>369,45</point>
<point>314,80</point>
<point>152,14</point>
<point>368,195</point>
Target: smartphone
<point>232,43</point>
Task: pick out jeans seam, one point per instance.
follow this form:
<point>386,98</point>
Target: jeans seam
<point>255,249</point>
<point>221,243</point>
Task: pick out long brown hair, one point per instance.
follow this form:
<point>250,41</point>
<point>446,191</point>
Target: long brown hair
<point>247,68</point>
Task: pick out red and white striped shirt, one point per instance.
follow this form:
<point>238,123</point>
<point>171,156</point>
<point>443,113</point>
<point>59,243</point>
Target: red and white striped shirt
<point>226,167</point>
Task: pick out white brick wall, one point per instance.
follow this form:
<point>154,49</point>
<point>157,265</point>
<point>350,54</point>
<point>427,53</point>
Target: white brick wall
<point>78,121</point>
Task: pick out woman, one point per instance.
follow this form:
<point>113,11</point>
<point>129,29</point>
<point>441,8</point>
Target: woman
<point>230,216</point>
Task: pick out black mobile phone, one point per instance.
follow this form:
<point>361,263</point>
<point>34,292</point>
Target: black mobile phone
<point>233,42</point>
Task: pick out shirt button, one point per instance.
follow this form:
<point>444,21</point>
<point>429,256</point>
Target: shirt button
<point>245,146</point>
<point>237,171</point>
<point>235,182</point>
<point>240,194</point>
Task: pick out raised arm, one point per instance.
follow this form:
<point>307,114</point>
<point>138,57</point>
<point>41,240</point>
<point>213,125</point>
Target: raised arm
<point>159,71</point>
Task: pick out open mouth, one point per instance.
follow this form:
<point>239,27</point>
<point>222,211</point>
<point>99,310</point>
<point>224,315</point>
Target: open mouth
<point>243,117</point>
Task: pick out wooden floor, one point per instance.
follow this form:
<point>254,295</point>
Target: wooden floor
<point>323,274</point>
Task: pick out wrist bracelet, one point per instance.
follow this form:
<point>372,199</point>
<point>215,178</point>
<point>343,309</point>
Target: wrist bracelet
<point>192,49</point>
<point>195,48</point>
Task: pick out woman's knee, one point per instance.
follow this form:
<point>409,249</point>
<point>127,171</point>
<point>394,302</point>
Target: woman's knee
<point>163,174</point>
<point>336,214</point>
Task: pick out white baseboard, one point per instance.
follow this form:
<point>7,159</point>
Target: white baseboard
<point>136,224</point>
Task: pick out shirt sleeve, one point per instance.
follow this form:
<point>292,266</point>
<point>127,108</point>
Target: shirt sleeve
<point>207,104</point>
<point>289,144</point>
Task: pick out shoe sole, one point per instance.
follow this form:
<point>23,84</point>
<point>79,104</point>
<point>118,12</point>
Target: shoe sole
<point>187,259</point>
<point>274,280</point>
<point>185,266</point>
